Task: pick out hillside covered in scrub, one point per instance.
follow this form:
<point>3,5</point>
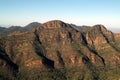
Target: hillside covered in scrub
<point>56,50</point>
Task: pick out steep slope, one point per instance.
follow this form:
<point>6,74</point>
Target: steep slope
<point>103,42</point>
<point>22,45</point>
<point>55,51</point>
<point>61,40</point>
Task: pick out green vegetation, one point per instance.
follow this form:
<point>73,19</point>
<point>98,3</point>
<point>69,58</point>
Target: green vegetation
<point>86,73</point>
<point>59,52</point>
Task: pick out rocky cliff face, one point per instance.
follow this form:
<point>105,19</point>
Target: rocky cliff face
<point>103,42</point>
<point>56,45</point>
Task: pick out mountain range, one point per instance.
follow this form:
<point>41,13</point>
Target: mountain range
<point>56,50</point>
<point>6,31</point>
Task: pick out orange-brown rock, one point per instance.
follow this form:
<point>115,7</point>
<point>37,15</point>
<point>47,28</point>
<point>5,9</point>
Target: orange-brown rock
<point>56,44</point>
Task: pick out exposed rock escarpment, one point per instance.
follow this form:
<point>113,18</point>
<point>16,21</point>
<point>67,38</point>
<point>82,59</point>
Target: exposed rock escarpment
<point>57,45</point>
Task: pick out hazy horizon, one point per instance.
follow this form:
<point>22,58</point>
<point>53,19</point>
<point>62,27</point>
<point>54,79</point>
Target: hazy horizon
<point>113,29</point>
<point>79,12</point>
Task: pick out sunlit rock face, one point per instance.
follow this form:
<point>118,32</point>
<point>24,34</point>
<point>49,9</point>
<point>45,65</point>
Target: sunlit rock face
<point>58,45</point>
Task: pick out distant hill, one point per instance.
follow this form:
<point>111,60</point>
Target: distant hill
<point>80,28</point>
<point>31,26</point>
<point>6,31</point>
<point>56,50</point>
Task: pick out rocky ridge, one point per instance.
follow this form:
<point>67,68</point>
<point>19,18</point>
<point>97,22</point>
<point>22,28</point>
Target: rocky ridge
<point>58,45</point>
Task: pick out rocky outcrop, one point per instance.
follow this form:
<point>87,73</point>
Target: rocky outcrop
<point>54,24</point>
<point>57,45</point>
<point>98,34</point>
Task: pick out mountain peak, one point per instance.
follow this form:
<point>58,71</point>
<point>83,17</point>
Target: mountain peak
<point>55,50</point>
<point>54,24</point>
<point>33,24</point>
<point>100,27</point>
